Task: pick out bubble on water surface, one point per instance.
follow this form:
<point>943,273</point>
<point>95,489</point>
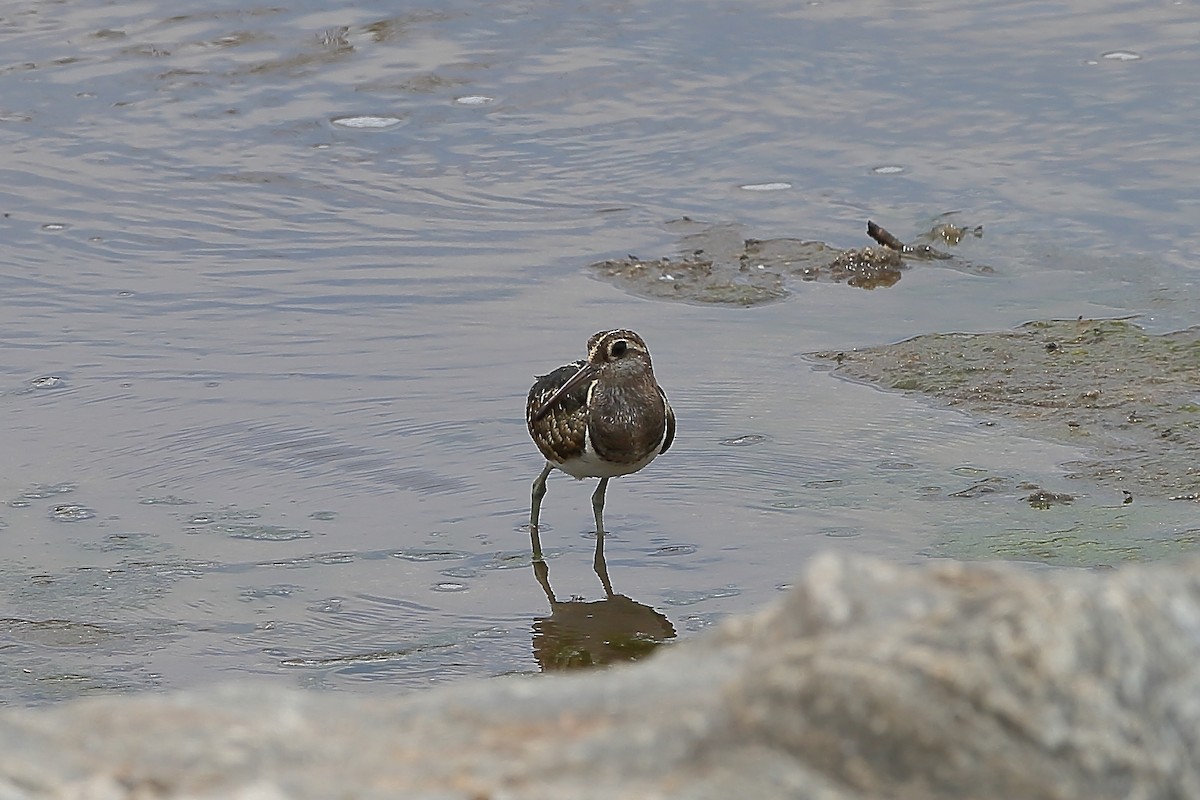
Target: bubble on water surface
<point>686,598</point>
<point>266,592</point>
<point>475,100</point>
<point>674,550</point>
<point>842,533</point>
<point>430,555</point>
<point>698,622</point>
<point>745,440</point>
<point>366,122</point>
<point>264,533</point>
<point>44,490</point>
<point>449,586</point>
<point>55,227</point>
<point>165,500</point>
<point>71,513</point>
<point>332,605</point>
<point>494,632</point>
<point>888,169</point>
<point>1121,55</point>
<point>513,559</point>
<point>776,186</point>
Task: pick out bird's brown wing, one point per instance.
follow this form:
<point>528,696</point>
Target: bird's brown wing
<point>560,433</point>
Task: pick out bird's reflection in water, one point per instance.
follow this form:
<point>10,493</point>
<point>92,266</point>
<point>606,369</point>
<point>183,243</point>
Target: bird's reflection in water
<point>583,633</point>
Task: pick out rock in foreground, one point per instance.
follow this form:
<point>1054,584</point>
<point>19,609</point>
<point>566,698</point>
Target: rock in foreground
<point>869,680</point>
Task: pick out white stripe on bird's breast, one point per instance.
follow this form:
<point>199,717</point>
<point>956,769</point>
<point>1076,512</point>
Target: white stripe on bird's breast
<point>590,465</point>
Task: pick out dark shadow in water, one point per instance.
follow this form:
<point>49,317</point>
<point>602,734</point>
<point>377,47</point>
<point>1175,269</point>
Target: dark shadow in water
<point>590,633</point>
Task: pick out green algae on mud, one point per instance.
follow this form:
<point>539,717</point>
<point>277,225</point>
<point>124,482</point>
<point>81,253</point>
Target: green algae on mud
<point>1093,542</point>
<point>1104,384</point>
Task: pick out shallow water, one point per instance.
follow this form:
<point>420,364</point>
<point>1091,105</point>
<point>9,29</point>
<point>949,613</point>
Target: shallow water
<point>277,281</point>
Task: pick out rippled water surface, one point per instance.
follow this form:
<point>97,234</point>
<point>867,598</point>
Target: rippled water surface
<point>276,281</point>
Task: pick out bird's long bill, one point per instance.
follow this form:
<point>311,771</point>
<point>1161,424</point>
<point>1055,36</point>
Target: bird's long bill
<point>586,373</point>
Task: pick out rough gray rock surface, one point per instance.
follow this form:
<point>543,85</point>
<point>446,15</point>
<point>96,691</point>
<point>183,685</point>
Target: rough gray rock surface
<point>949,680</point>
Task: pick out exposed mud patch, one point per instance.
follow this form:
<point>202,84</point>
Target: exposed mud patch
<point>1107,384</point>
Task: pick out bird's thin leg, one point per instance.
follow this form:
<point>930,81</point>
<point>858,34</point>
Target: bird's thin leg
<point>535,507</point>
<point>598,505</point>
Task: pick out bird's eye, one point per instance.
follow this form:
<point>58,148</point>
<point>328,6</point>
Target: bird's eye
<point>618,348</point>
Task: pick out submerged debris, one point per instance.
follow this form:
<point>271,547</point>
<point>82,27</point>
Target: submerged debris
<point>1043,499</point>
<point>718,265</point>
